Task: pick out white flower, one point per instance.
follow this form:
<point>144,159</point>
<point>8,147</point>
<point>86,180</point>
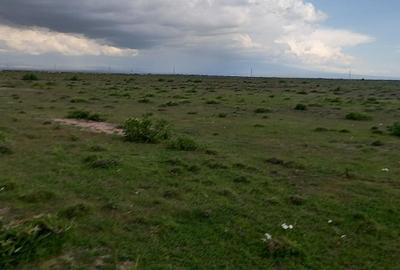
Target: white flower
<point>330,221</point>
<point>343,236</point>
<point>287,227</point>
<point>385,170</point>
<point>266,237</point>
<point>3,188</point>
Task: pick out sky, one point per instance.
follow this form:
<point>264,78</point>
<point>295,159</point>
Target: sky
<point>299,38</point>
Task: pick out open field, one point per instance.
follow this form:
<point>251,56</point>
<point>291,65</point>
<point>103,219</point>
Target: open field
<point>260,154</point>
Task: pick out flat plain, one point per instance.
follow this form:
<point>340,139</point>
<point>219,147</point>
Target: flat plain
<point>257,173</point>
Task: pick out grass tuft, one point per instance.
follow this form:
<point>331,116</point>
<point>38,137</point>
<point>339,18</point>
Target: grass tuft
<point>395,129</point>
<point>29,240</point>
<point>85,115</point>
<point>355,116</point>
<point>183,144</point>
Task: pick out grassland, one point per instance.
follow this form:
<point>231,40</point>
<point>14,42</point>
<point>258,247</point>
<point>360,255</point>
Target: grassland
<point>246,156</point>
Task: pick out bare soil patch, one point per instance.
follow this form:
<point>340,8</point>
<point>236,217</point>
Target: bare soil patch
<point>96,127</point>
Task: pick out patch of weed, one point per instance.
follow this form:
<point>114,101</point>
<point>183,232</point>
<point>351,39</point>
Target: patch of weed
<point>145,130</point>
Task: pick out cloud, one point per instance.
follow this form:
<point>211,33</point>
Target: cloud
<point>321,46</point>
<point>37,41</point>
<point>285,31</point>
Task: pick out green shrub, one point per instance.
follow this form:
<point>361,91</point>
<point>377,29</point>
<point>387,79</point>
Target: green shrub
<point>212,102</point>
<point>395,129</point>
<point>262,110</point>
<point>358,116</point>
<point>30,77</point>
<point>183,144</point>
<point>85,115</point>
<point>300,107</point>
<point>74,78</point>
<point>79,100</point>
<point>5,150</point>
<point>145,130</point>
<point>21,242</point>
<point>377,143</point>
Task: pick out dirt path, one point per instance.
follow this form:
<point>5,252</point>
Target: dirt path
<point>96,127</point>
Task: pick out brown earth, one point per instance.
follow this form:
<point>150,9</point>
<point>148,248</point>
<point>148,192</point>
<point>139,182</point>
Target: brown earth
<point>96,127</point>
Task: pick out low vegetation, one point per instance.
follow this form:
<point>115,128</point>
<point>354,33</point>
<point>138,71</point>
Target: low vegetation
<point>21,242</point>
<point>358,116</point>
<point>145,130</point>
<point>183,144</point>
<point>395,129</point>
<point>85,115</point>
<point>300,107</point>
<point>242,173</point>
<point>30,77</point>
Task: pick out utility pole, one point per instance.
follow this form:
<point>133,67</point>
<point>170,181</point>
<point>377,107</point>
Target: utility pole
<point>251,71</point>
<point>173,70</point>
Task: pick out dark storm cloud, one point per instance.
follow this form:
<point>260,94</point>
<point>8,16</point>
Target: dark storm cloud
<point>287,31</point>
<point>133,24</point>
<point>99,22</point>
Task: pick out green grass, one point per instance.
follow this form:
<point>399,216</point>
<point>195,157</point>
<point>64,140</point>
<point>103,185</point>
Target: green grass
<point>358,116</point>
<point>234,160</point>
<point>85,115</point>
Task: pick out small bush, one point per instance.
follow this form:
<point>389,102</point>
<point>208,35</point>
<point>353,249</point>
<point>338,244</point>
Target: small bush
<point>183,144</point>
<point>300,107</point>
<point>74,78</point>
<point>212,102</point>
<point>79,100</point>
<point>145,130</point>
<point>297,200</point>
<point>5,150</point>
<point>85,115</point>
<point>30,77</point>
<point>395,129</point>
<point>377,143</point>
<point>40,237</point>
<point>358,116</point>
<point>262,110</point>
<point>321,129</point>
